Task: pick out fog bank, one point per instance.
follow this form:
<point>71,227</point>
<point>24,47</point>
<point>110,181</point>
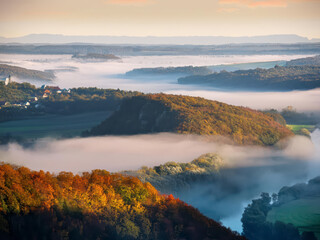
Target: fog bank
<point>106,75</point>
<point>306,101</point>
<point>115,153</point>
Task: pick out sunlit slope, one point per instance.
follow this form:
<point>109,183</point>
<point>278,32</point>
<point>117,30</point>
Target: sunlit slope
<point>96,205</point>
<point>192,115</point>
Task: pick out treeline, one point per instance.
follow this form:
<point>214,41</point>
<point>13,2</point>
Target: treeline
<point>81,100</point>
<point>191,115</point>
<point>297,191</point>
<point>289,115</point>
<point>95,205</point>
<point>95,56</point>
<point>187,70</point>
<point>277,78</point>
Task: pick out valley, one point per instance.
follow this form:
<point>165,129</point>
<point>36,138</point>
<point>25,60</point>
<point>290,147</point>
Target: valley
<point>202,147</point>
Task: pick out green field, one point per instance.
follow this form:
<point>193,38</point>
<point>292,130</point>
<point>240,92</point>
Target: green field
<point>296,128</point>
<point>53,125</point>
<point>303,213</point>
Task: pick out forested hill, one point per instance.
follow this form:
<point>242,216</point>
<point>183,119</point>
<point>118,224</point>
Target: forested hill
<point>174,177</point>
<point>191,115</point>
<point>315,61</point>
<point>276,79</point>
<point>179,71</point>
<point>23,73</point>
<point>96,205</point>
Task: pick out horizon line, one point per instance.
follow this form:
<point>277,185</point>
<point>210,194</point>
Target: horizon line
<point>159,36</point>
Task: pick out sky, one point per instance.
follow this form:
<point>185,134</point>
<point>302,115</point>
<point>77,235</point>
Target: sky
<point>160,17</point>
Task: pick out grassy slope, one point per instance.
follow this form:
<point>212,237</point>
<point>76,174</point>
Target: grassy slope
<point>303,213</point>
<point>296,128</point>
<point>53,125</point>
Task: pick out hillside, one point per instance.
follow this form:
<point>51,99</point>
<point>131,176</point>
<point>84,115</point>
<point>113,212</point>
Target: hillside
<point>180,71</point>
<point>294,213</point>
<point>305,61</point>
<point>277,79</point>
<point>96,205</point>
<point>191,115</point>
<point>173,177</point>
<point>23,73</point>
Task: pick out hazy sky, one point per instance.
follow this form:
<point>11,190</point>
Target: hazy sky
<point>160,17</point>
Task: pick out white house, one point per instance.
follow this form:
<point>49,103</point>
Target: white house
<point>8,80</point>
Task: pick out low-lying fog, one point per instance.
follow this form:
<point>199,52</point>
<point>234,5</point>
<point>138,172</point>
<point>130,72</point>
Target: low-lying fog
<point>116,153</point>
<point>249,170</point>
<point>78,73</point>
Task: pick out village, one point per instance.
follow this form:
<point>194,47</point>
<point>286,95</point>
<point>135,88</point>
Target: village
<point>33,101</point>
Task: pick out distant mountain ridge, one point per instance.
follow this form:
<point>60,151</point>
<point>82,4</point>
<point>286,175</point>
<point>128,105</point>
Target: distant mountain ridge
<point>192,40</point>
<point>121,50</point>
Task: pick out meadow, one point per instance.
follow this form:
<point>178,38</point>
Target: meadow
<point>53,125</point>
<point>303,213</point>
<point>297,128</point>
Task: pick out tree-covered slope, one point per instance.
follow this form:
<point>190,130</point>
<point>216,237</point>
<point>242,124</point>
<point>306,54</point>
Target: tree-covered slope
<point>179,71</point>
<point>191,115</point>
<point>23,73</point>
<point>277,79</point>
<point>173,177</point>
<point>18,92</point>
<point>305,61</point>
<point>96,205</point>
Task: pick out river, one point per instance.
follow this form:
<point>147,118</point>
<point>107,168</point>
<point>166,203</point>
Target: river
<point>234,221</point>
